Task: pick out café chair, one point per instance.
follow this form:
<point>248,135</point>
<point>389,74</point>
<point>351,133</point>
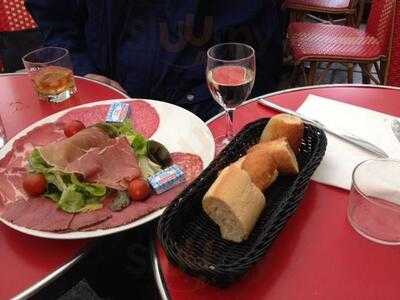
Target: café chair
<point>393,69</point>
<point>13,18</point>
<point>351,10</point>
<point>315,43</point>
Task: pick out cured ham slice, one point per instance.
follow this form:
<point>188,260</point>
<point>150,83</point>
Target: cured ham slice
<point>62,153</point>
<point>99,158</point>
<point>37,213</point>
<point>13,165</point>
<point>114,165</point>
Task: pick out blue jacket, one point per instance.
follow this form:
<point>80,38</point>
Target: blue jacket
<point>157,48</point>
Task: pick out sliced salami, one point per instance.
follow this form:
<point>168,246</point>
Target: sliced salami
<point>191,164</point>
<point>144,117</point>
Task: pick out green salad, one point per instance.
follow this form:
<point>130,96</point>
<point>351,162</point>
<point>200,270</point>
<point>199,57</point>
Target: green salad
<point>74,195</point>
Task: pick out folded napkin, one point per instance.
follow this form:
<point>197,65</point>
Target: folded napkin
<point>341,157</point>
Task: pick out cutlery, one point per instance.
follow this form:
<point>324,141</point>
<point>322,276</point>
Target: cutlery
<point>353,139</point>
<point>396,129</point>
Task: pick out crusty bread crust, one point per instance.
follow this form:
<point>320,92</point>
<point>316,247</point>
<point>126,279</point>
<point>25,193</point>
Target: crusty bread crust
<point>261,168</point>
<point>284,125</point>
<point>234,203</point>
<point>281,152</point>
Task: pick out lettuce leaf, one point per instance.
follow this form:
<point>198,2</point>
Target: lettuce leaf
<point>148,167</point>
<point>67,190</point>
<point>135,139</point>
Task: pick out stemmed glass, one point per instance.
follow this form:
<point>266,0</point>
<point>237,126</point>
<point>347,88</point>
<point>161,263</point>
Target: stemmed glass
<point>231,70</point>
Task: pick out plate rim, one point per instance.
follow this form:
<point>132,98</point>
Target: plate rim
<point>76,235</point>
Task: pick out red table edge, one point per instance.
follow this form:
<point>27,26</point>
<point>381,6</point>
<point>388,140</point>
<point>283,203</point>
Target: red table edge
<point>80,77</point>
<point>58,272</point>
<point>158,276</point>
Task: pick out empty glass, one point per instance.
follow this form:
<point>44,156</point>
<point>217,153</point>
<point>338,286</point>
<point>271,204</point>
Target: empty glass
<point>51,72</point>
<point>374,201</point>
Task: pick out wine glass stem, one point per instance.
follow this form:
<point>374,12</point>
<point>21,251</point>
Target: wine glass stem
<point>229,123</point>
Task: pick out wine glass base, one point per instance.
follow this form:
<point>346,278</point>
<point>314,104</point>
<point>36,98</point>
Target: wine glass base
<point>220,143</point>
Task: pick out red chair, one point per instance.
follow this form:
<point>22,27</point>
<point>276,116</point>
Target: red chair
<point>393,75</point>
<point>315,43</point>
<point>350,9</point>
<point>14,16</point>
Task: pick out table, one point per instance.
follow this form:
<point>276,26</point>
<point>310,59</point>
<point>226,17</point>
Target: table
<point>28,263</point>
<point>317,255</point>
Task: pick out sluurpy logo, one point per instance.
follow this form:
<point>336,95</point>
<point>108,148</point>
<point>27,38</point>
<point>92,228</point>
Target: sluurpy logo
<point>186,34</point>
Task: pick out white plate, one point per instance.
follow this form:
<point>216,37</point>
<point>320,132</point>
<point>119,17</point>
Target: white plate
<point>179,130</point>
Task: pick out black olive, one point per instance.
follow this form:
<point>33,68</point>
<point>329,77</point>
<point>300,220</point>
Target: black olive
<point>158,153</point>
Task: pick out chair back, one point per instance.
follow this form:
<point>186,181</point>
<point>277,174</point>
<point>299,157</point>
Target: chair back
<point>393,75</point>
<point>380,21</point>
<point>14,16</point>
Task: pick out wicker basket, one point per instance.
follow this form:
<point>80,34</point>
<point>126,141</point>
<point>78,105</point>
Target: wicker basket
<point>192,241</point>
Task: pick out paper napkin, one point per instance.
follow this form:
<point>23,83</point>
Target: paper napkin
<point>341,157</point>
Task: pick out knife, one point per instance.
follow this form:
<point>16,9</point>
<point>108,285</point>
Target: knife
<point>353,139</point>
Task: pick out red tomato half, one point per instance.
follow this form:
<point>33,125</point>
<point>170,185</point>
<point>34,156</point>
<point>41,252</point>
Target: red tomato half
<point>34,184</point>
<point>73,127</point>
<point>139,190</point>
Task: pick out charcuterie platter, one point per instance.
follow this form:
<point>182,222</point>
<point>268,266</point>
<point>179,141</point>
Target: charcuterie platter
<point>76,174</point>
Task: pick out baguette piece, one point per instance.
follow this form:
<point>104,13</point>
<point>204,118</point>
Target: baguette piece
<point>234,203</point>
<point>284,125</point>
<point>261,168</point>
<point>281,152</point>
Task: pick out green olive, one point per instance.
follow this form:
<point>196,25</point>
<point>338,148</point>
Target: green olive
<point>158,153</point>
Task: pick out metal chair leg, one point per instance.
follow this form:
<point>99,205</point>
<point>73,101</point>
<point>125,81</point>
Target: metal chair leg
<point>303,69</point>
<point>313,71</point>
<point>360,12</point>
<point>366,68</point>
<point>350,69</point>
<point>293,76</point>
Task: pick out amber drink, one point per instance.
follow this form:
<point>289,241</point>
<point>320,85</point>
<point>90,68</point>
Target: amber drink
<point>51,72</point>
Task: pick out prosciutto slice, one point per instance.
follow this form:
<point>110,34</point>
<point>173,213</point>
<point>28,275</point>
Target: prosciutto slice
<point>94,155</point>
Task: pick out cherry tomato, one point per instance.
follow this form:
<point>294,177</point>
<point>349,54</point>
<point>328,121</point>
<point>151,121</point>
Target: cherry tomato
<point>34,184</point>
<point>139,190</point>
<point>73,127</point>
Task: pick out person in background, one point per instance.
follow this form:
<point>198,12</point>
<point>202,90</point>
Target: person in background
<point>157,49</point>
<point>152,49</point>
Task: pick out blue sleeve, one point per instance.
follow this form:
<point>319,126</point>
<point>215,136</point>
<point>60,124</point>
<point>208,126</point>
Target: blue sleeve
<point>62,24</point>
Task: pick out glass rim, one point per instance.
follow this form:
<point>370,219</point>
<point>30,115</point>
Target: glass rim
<point>359,191</point>
<point>252,54</point>
<point>66,52</point>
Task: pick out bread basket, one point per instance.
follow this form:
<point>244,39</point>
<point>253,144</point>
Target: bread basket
<point>192,241</point>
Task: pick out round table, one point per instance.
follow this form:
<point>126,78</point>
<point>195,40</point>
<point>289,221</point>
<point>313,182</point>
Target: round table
<point>317,255</point>
<point>28,263</point>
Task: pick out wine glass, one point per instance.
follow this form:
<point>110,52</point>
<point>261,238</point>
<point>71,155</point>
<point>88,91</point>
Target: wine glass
<point>231,70</point>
